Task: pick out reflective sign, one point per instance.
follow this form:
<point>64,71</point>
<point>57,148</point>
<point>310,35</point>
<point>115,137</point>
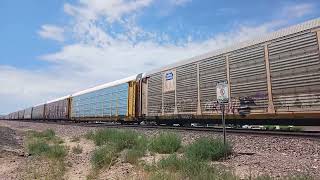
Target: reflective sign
<point>222,92</point>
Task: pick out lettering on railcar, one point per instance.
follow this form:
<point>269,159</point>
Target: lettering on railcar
<point>169,81</point>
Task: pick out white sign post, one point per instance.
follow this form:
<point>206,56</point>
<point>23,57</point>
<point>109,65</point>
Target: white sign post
<point>223,97</point>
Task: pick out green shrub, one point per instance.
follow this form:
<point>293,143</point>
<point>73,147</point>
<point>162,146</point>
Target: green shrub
<point>172,163</point>
<point>46,146</point>
<point>113,141</point>
<point>208,149</point>
<point>48,134</point>
<point>77,149</point>
<point>45,143</point>
<point>163,175</point>
<point>174,167</point>
<point>56,151</point>
<point>103,156</point>
<point>300,177</point>
<point>121,139</point>
<point>132,155</point>
<point>165,143</point>
<point>89,135</point>
<point>51,151</point>
<point>38,147</point>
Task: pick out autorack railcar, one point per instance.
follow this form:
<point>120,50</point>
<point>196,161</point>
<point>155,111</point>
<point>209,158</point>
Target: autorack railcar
<point>58,109</point>
<point>21,114</point>
<point>274,77</point>
<point>111,101</point>
<point>38,112</point>
<point>27,113</point>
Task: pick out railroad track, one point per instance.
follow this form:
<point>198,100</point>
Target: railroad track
<point>305,134</point>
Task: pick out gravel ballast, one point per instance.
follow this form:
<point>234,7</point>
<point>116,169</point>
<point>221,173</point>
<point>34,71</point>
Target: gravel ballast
<point>252,154</point>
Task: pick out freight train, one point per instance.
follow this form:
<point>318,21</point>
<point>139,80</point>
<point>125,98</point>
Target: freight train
<point>273,79</point>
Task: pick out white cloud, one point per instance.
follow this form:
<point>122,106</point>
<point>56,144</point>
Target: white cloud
<point>21,88</point>
<point>100,54</point>
<point>297,10</point>
<point>113,10</point>
<point>52,32</point>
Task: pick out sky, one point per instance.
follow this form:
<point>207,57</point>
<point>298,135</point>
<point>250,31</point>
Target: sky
<point>54,48</point>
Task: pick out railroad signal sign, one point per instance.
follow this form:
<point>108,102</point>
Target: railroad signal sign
<point>223,97</point>
<point>222,92</point>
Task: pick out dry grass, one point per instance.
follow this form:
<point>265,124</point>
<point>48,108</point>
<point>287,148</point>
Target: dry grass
<point>45,147</point>
<point>77,149</point>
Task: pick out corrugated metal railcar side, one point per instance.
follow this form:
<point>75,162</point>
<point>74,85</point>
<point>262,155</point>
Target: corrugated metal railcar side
<point>21,114</point>
<point>58,109</point>
<point>16,115</point>
<point>27,113</point>
<point>38,112</point>
<point>109,102</point>
<point>276,75</point>
<point>112,101</point>
<point>295,71</point>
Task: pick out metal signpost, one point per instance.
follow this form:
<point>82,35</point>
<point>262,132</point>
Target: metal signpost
<point>223,98</point>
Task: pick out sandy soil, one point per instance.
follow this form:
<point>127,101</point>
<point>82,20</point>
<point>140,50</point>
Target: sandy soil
<point>79,164</point>
<point>253,154</point>
<point>11,153</point>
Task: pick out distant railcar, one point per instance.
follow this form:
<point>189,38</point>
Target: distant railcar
<point>58,109</point>
<point>16,115</point>
<point>110,101</point>
<point>21,114</point>
<point>38,112</point>
<point>27,113</point>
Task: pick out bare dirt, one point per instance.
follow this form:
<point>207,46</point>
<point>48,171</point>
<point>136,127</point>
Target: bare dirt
<point>79,164</point>
<point>11,153</point>
<point>253,154</point>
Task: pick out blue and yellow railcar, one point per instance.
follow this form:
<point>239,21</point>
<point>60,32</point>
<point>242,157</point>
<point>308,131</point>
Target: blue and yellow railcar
<point>114,101</point>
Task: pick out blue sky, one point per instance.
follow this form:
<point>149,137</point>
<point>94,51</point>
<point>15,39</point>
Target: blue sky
<point>53,48</point>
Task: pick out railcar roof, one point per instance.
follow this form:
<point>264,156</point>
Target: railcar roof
<point>58,99</point>
<point>280,33</point>
<point>39,104</point>
<point>106,85</point>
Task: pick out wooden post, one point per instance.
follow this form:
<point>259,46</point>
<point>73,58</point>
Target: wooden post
<point>269,84</point>
<point>229,82</point>
<point>199,98</point>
